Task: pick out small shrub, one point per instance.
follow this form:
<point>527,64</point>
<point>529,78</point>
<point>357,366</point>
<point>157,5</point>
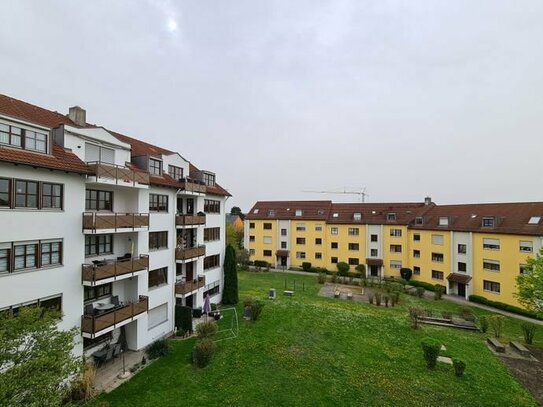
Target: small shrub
<point>430,348</point>
<point>483,323</point>
<point>386,300</point>
<point>439,290</point>
<point>321,279</point>
<point>370,298</point>
<point>497,323</point>
<point>406,273</point>
<point>414,313</point>
<point>459,367</point>
<point>181,332</point>
<point>256,309</point>
<point>248,302</point>
<point>82,389</point>
<point>395,298</point>
<point>203,352</point>
<point>420,292</point>
<point>158,349</point>
<point>334,278</point>
<point>528,329</point>
<point>183,318</point>
<point>343,269</point>
<point>361,269</point>
<point>446,314</point>
<point>426,286</point>
<point>378,299</point>
<point>306,266</point>
<point>206,329</point>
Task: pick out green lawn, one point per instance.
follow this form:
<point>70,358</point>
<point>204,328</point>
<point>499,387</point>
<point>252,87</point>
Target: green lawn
<point>313,351</point>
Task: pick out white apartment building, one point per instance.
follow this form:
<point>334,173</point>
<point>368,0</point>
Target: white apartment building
<point>111,230</point>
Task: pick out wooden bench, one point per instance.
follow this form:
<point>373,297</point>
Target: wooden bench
<point>496,344</point>
<point>520,348</point>
<point>288,293</point>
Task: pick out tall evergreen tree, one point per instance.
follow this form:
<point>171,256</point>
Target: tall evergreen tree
<point>230,292</point>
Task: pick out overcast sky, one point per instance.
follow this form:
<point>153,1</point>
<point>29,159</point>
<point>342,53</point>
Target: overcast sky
<point>405,98</point>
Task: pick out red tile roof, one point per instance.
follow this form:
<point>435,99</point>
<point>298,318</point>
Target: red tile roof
<point>376,213</point>
<point>31,113</point>
<point>59,160</point>
<point>141,147</point>
<point>311,210</point>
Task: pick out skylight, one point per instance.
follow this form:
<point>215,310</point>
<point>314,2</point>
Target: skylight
<point>534,220</point>
<point>335,215</point>
<point>256,210</point>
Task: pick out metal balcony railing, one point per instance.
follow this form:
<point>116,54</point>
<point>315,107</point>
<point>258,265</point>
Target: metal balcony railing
<point>118,173</point>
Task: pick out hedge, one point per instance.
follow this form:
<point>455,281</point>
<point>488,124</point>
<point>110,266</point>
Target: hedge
<point>505,307</point>
<point>426,286</point>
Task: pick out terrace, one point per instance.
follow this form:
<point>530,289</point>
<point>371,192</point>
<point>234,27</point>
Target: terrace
<point>106,271</point>
<point>118,175</point>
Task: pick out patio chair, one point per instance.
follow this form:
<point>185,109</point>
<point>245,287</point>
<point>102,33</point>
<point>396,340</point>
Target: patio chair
<point>116,350</point>
<point>104,358</point>
<point>115,300</point>
<point>89,309</point>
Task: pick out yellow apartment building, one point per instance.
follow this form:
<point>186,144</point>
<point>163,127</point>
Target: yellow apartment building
<point>470,249</point>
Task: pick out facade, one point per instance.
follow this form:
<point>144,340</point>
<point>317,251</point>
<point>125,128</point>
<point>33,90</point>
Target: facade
<point>471,249</point>
<point>112,231</point>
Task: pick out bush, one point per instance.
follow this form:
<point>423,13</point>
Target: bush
<point>306,266</point>
<point>183,318</point>
<point>261,263</point>
<point>430,348</point>
<point>386,299</point>
<point>82,389</point>
<point>181,332</point>
<point>370,298</point>
<point>466,313</point>
<point>420,292</point>
<point>395,298</point>
<point>414,316</point>
<point>203,352</point>
<point>406,273</point>
<point>426,286</point>
<point>459,367</point>
<point>361,269</point>
<point>497,323</point>
<point>378,298</point>
<point>528,329</point>
<point>439,290</point>
<point>334,278</point>
<point>206,329</point>
<point>321,279</point>
<point>158,349</point>
<point>343,269</point>
<point>506,307</point>
<point>483,323</point>
<point>256,309</point>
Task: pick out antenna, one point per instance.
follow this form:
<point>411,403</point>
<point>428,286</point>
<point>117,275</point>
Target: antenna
<point>360,192</point>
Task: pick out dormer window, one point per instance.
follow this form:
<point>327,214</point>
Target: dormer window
<point>335,215</point>
<point>155,166</point>
<point>23,138</point>
<point>299,212</point>
<point>419,220</point>
<point>488,222</point>
<point>391,216</point>
<point>443,221</point>
<point>209,179</point>
<point>320,212</point>
<point>175,172</point>
<point>271,212</point>
<point>357,216</point>
<point>534,220</point>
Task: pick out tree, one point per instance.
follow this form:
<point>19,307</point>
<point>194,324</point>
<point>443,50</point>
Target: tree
<point>530,284</point>
<point>406,273</point>
<point>243,257</point>
<point>230,293</point>
<point>236,210</point>
<point>35,358</point>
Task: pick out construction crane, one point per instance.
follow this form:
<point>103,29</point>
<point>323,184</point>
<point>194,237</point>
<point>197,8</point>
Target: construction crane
<point>361,193</point>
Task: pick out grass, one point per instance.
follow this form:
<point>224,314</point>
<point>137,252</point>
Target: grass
<point>309,350</point>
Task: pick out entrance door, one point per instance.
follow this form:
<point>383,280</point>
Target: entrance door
<point>462,290</point>
<point>374,271</point>
<point>283,261</point>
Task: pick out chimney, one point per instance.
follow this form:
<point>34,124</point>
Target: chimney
<point>78,116</point>
<point>427,200</point>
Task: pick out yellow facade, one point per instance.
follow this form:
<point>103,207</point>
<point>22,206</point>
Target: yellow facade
<point>394,236</point>
<point>263,242</point>
<point>428,252</point>
<point>351,245</point>
<point>308,230</point>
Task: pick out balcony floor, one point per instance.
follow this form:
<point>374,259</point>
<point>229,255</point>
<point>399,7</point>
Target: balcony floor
<point>106,375</point>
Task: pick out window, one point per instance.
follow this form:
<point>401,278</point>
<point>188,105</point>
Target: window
<point>333,260</point>
<point>395,264</point>
<point>17,256</point>
<point>462,267</point>
<point>357,217</point>
<point>437,257</point>
<point>437,239</point>
<point>416,254</point>
<point>318,227</point>
<point>373,238</point>
<point>318,241</point>
<point>354,231</point>
<point>94,153</point>
<point>300,227</point>
<point>11,135</point>
<point>416,237</point>
<point>283,245</point>
<point>25,256</point>
<point>98,200</point>
<point>271,212</point>
<point>158,277</point>
<point>396,232</point>
<point>521,269</point>
<point>416,270</point>
<point>5,192</point>
<point>94,293</point>
<point>27,139</point>
<point>354,246</point>
<point>35,141</point>
<point>462,249</point>
<point>157,316</point>
<point>526,246</point>
<point>374,252</point>
<point>96,245</point>
<point>4,260</point>
<point>158,203</point>
<point>155,166</point>
<point>214,261</point>
<point>252,252</point>
<point>300,240</point>
<point>334,231</point>
<point>443,221</point>
<point>26,194</point>
<point>158,240</point>
<point>209,179</point>
<point>335,215</point>
<point>488,222</point>
<point>283,232</point>
<point>256,211</point>
<point>391,217</point>
<point>318,255</point>
<point>212,206</point>
<point>211,289</point>
<point>353,261</point>
<point>300,255</point>
<point>419,220</point>
<point>491,286</point>
<point>267,253</point>
<point>51,196</point>
<point>251,225</point>
<point>211,234</point>
<point>299,212</point>
<point>175,172</point>
<point>491,244</point>
<point>534,220</point>
<point>395,248</point>
<point>51,253</point>
<point>267,226</point>
<point>334,245</point>
<point>437,275</point>
<point>267,239</point>
<point>491,265</point>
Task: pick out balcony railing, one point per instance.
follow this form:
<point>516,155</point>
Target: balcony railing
<point>191,185</point>
<point>92,324</point>
<point>93,273</point>
<point>189,252</point>
<point>190,220</point>
<point>186,287</point>
<point>118,173</point>
<point>96,220</point>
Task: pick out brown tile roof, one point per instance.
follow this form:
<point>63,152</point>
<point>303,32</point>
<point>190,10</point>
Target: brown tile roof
<point>510,218</point>
<point>141,147</point>
<point>311,210</point>
<point>376,213</point>
<point>59,160</point>
<point>216,190</point>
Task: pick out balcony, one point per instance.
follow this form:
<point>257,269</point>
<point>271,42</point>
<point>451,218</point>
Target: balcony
<point>192,185</point>
<point>190,220</point>
<point>119,175</point>
<point>112,270</point>
<point>93,221</point>
<point>186,287</point>
<point>189,252</point>
<point>95,325</point>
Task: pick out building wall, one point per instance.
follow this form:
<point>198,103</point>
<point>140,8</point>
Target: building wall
<point>389,256</point>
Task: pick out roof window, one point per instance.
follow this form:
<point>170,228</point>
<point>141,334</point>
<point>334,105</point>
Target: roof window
<point>335,215</point>
<point>391,216</point>
<point>534,220</point>
<point>299,212</point>
<point>256,210</point>
<point>419,220</point>
<point>357,216</point>
<point>271,212</point>
<point>443,221</point>
<point>488,222</point>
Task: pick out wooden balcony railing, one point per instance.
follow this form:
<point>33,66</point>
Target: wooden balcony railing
<point>186,287</point>
<point>118,173</point>
<point>96,220</point>
<point>189,220</point>
<point>93,273</point>
<point>191,185</point>
<point>189,252</point>
<point>92,324</point>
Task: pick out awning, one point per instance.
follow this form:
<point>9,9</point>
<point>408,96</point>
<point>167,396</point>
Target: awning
<point>282,253</point>
<point>374,262</point>
<point>459,278</point>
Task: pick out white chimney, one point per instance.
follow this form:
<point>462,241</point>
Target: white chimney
<point>427,200</point>
<point>78,116</point>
